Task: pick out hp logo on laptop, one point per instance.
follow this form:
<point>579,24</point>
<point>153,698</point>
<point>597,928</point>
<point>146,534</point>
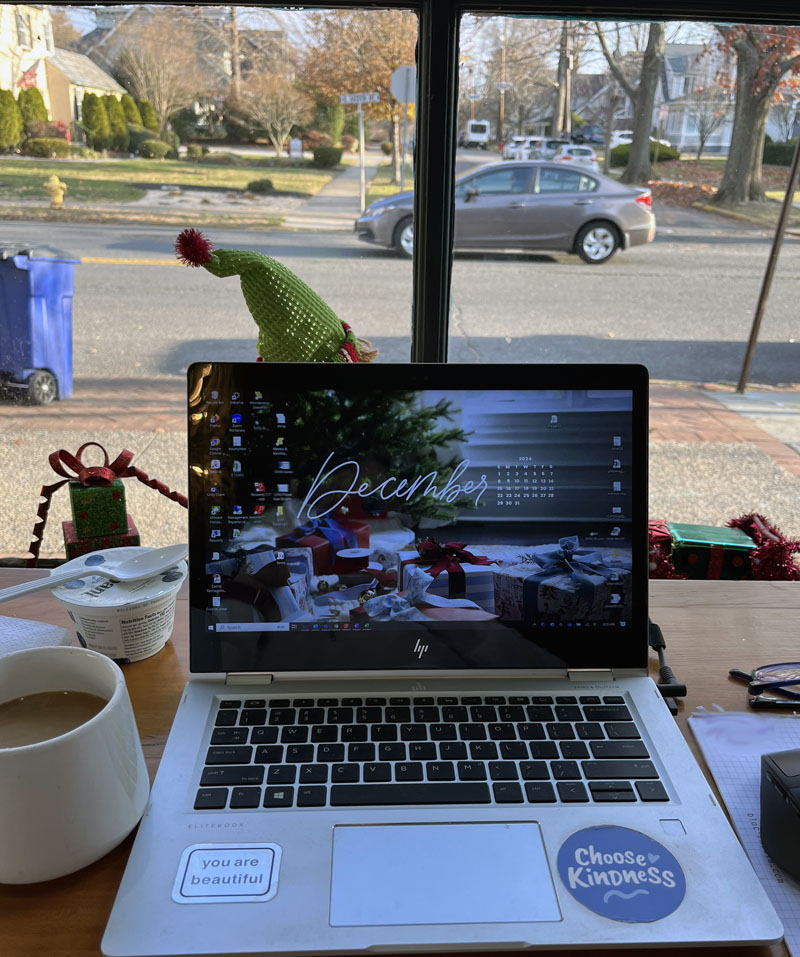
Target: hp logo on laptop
<point>420,649</point>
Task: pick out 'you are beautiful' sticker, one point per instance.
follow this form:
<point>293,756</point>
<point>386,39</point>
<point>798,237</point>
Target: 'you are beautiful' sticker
<point>621,874</point>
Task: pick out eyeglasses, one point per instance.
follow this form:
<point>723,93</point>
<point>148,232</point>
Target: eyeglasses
<point>779,678</point>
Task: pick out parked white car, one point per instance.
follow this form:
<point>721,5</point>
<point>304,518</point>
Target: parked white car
<point>532,147</point>
<point>618,137</point>
<point>577,155</point>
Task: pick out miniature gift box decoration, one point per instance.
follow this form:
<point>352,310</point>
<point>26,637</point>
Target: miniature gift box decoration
<point>98,510</point>
<point>76,545</point>
<point>705,551</point>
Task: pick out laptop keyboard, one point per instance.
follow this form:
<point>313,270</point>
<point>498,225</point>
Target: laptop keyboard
<point>347,752</point>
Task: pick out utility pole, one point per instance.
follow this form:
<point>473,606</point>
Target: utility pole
<point>562,114</point>
<point>236,65</point>
<point>502,85</point>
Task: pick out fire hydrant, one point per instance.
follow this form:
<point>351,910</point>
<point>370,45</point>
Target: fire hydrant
<point>55,190</point>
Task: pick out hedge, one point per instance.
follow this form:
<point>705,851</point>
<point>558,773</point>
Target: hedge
<point>779,154</point>
<point>327,156</point>
<point>261,186</point>
<point>46,147</point>
<point>621,154</point>
<point>153,149</point>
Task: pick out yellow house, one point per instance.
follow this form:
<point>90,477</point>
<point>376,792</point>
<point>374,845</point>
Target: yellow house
<point>26,40</point>
<point>70,76</point>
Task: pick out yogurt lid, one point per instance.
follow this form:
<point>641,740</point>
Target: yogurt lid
<point>99,591</point>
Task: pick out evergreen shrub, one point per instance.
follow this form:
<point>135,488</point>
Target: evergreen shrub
<point>95,121</point>
<point>149,118</point>
<point>136,136</point>
<point>31,106</point>
<point>154,149</point>
<point>118,125</point>
<point>386,148</point>
<point>10,122</point>
<point>327,156</point>
<point>621,154</point>
<point>222,159</point>
<point>779,154</point>
<point>131,110</point>
<point>46,147</point>
<point>261,186</point>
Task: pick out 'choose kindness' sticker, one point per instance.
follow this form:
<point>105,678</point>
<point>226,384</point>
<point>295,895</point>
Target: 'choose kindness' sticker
<point>621,874</point>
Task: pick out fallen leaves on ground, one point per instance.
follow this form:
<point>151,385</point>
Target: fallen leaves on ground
<point>673,193</point>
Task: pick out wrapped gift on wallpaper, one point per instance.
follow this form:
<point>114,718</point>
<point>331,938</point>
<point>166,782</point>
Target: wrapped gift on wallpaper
<point>705,551</point>
<point>564,582</point>
<point>325,537</point>
<point>456,572</point>
<point>76,546</point>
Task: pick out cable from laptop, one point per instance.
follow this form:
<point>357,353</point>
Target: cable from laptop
<point>668,684</point>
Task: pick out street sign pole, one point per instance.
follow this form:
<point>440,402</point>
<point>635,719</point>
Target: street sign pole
<point>361,155</point>
<point>359,99</point>
<point>403,85</point>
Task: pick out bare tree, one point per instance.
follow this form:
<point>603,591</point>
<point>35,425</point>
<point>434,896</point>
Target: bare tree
<point>642,96</point>
<point>709,109</point>
<point>65,33</point>
<point>785,114</point>
<point>273,104</point>
<point>158,63</point>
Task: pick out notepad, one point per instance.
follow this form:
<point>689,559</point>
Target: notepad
<point>732,743</point>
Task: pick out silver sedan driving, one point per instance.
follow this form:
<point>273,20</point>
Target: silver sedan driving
<point>527,205</point>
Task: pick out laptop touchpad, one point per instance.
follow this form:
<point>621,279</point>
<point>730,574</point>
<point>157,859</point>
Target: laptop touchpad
<point>440,874</point>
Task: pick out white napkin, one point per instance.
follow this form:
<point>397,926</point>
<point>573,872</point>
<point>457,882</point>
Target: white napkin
<point>17,634</point>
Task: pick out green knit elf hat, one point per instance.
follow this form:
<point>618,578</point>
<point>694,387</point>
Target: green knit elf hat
<point>294,323</point>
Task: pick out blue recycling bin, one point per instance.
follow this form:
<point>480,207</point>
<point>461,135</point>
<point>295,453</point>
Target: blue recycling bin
<point>36,289</point>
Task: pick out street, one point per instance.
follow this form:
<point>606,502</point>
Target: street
<point>683,305</point>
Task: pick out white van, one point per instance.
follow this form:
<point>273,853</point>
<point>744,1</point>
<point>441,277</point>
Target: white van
<point>478,132</point>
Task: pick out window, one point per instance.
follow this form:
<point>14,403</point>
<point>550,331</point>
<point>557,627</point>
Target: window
<point>682,303</point>
<point>23,30</point>
<point>560,181</point>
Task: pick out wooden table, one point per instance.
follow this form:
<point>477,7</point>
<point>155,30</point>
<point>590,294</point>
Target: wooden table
<point>708,627</point>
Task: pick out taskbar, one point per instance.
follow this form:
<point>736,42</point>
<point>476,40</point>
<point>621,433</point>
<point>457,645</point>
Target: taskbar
<point>295,626</point>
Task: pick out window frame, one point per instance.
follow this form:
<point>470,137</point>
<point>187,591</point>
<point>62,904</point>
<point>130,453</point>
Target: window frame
<point>437,108</point>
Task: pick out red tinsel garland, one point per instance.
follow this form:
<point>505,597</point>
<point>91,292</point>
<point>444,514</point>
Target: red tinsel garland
<point>90,475</point>
<point>772,559</point>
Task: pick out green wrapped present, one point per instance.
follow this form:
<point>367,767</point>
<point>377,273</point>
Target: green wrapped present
<point>98,510</point>
<point>706,551</point>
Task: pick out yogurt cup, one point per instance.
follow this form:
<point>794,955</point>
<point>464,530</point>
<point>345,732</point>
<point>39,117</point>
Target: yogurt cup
<point>126,621</point>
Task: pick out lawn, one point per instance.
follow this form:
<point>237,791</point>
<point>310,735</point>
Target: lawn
<point>382,187</point>
<point>115,181</point>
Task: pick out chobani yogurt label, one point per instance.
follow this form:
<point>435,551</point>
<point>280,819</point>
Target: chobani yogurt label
<point>127,621</point>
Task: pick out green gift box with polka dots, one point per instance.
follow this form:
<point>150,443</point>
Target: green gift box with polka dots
<point>98,510</point>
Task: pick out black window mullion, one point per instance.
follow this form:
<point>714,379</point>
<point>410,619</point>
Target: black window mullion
<point>434,175</point>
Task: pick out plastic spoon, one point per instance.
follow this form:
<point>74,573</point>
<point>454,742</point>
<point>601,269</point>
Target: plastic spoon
<point>148,562</point>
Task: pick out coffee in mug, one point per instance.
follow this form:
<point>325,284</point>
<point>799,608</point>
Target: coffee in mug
<point>47,714</point>
<point>73,782</point>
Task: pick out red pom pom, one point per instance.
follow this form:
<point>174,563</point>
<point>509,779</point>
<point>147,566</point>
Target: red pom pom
<point>192,248</point>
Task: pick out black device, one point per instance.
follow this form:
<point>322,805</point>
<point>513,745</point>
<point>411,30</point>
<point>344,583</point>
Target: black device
<point>780,809</point>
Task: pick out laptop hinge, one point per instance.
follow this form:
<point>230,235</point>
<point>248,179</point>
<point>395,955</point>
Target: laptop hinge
<point>590,674</point>
<point>248,678</point>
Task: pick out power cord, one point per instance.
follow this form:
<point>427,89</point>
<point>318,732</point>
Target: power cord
<point>668,684</point>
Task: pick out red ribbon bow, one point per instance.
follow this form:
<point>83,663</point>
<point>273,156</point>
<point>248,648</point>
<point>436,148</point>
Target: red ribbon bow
<point>447,557</point>
<point>73,470</point>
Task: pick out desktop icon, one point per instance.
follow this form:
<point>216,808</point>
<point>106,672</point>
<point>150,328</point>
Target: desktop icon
<point>237,440</point>
<point>259,509</point>
<point>216,509</point>
<point>216,533</point>
<point>259,487</point>
<point>235,397</point>
<point>215,394</point>
<point>280,418</point>
<point>237,510</point>
<point>214,419</point>
<point>214,443</point>
<point>237,466</point>
<point>236,418</point>
<point>215,464</point>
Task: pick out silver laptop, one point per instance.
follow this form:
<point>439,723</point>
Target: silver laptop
<point>419,716</point>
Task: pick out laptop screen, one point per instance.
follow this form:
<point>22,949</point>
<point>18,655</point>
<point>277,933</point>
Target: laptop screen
<point>385,517</point>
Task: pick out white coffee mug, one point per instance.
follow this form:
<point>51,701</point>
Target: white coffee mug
<point>68,800</point>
